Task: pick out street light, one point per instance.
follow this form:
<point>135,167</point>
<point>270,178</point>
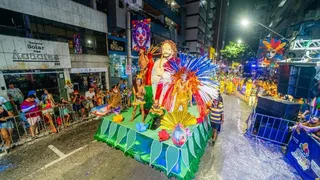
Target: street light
<point>246,22</point>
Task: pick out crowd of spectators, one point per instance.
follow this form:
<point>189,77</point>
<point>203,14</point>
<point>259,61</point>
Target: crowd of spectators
<point>37,114</point>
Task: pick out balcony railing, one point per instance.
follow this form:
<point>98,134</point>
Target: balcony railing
<point>160,30</point>
<point>164,8</point>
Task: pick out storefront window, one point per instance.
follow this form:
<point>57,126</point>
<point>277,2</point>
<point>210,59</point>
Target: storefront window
<point>17,24</point>
<point>27,82</point>
<point>118,66</point>
<point>82,81</point>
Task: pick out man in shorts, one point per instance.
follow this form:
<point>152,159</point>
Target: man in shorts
<point>216,118</point>
<point>33,114</point>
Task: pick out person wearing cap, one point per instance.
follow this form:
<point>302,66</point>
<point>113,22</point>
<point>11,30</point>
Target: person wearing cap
<point>6,126</point>
<point>216,118</point>
<point>33,92</point>
<point>33,114</point>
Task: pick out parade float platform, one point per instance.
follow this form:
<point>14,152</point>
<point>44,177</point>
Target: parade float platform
<point>145,147</point>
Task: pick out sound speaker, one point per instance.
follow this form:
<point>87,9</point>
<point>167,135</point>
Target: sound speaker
<point>297,79</point>
<point>277,108</point>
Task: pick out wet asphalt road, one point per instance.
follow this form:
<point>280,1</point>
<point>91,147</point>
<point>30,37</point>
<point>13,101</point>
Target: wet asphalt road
<point>233,157</point>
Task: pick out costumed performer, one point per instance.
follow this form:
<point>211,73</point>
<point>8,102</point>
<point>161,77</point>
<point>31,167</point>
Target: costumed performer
<point>156,112</point>
<point>139,92</point>
<point>241,84</point>
<point>143,62</point>
<point>168,51</point>
<point>150,53</point>
<point>199,73</point>
<point>248,87</point>
<point>222,85</point>
<point>229,85</point>
<point>183,94</point>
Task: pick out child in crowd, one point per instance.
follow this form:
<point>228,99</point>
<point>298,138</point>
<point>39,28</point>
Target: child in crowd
<point>64,111</point>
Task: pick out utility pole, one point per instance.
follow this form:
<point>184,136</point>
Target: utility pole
<point>129,58</point>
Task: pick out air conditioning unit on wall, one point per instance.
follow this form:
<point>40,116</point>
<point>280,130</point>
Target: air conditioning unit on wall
<point>135,5</point>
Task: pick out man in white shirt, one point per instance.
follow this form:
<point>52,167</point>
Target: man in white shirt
<point>90,96</point>
<point>15,94</point>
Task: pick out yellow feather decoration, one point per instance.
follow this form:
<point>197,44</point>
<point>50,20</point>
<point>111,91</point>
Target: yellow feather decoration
<point>170,120</point>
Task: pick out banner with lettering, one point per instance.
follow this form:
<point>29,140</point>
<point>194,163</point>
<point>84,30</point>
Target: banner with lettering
<point>141,35</point>
<point>304,154</point>
<point>18,53</point>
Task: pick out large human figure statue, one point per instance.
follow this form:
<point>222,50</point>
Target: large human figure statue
<point>159,77</point>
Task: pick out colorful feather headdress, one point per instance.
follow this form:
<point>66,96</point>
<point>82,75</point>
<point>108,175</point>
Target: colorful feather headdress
<point>274,44</point>
<point>199,73</point>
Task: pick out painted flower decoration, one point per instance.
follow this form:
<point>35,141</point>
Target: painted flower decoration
<point>163,135</point>
<point>200,120</point>
<point>117,118</point>
<point>141,127</point>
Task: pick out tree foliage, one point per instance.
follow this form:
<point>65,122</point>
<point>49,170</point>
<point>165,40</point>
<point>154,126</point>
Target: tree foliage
<point>234,51</point>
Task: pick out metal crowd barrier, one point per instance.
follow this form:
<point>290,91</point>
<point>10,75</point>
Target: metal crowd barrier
<point>269,128</point>
<point>21,133</point>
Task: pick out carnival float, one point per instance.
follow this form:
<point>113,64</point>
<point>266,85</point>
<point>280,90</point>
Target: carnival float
<point>167,127</point>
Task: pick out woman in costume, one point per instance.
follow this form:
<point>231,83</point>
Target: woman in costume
<point>139,92</point>
<point>248,87</point>
<point>229,85</point>
<point>183,94</point>
<point>222,85</point>
<point>241,84</point>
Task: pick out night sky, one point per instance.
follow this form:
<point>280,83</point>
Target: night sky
<point>237,10</point>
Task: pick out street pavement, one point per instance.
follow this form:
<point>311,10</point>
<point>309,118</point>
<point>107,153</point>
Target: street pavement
<point>73,154</point>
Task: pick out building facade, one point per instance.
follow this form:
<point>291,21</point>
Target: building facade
<point>205,25</point>
<point>46,43</point>
<point>166,23</point>
<point>292,18</point>
<point>298,21</point>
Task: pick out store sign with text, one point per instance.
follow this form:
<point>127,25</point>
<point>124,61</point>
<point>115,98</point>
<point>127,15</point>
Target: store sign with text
<point>25,53</point>
<point>88,70</point>
<point>115,45</point>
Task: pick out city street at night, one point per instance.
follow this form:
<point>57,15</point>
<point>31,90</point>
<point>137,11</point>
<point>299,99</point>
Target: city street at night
<point>233,157</point>
<point>160,89</point>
